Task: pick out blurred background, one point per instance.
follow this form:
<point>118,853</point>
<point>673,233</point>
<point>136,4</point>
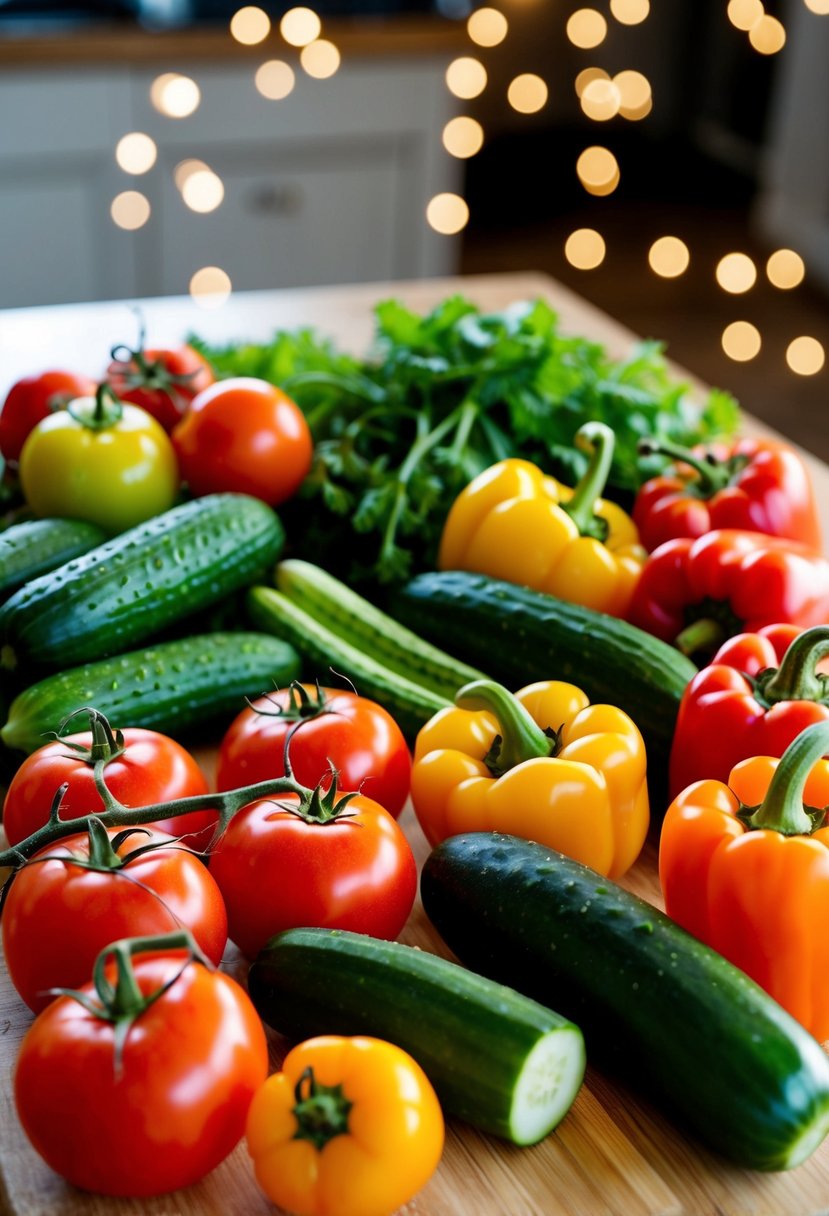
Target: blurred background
<point>669,160</point>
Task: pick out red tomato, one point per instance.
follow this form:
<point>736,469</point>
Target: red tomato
<point>151,769</point>
<point>60,915</point>
<point>277,871</point>
<point>177,1106</point>
<point>162,382</point>
<point>32,399</point>
<point>247,436</point>
<point>361,740</point>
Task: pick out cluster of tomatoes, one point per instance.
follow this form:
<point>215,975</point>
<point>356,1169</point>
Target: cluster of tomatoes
<point>117,453</point>
<point>157,1105</point>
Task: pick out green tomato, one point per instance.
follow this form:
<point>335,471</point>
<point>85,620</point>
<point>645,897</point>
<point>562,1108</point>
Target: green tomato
<point>107,462</point>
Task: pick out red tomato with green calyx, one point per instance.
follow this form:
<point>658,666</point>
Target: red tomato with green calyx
<point>32,399</point>
<point>162,382</point>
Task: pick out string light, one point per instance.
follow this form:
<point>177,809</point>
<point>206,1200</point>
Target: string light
<point>136,153</point>
<point>175,96</point>
<point>821,7</point>
<point>185,168</point>
<point>487,27</point>
<point>320,59</point>
<point>785,269</point>
<point>598,171</point>
<point>463,136</point>
<point>600,100</point>
<point>767,35</point>
<point>250,25</point>
<point>447,213</point>
<point>203,191</point>
<point>275,79</point>
<point>635,99</point>
<point>586,76</point>
<point>669,257</point>
<point>630,12</point>
<point>743,14</point>
<point>527,93</point>
<point>466,77</point>
<point>586,28</point>
<point>585,249</point>
<point>741,341</point>
<point>210,287</point>
<point>736,273</point>
<point>130,210</point>
<point>805,356</point>
<point>299,26</point>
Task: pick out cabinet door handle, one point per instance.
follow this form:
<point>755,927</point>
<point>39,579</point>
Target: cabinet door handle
<point>275,200</point>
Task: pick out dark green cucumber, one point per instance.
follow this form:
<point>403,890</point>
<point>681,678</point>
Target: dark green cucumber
<point>141,582</point>
<point>496,1059</point>
<point>328,656</point>
<point>169,687</point>
<point>365,627</point>
<point>659,1007</point>
<point>37,546</point>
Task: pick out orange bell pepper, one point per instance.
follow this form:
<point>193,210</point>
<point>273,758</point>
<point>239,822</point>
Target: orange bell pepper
<point>514,523</point>
<point>745,868</point>
<point>544,764</point>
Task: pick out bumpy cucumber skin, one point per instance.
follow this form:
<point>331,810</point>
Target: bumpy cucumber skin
<point>328,656</point>
<point>469,1036</point>
<point>169,687</point>
<point>37,546</point>
<point>660,1008</point>
<point>364,626</point>
<point>137,584</point>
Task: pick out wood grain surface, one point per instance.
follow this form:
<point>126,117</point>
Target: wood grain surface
<point>613,1154</point>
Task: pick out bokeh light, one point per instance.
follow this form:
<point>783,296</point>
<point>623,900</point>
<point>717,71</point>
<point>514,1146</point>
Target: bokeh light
<point>250,25</point>
<point>203,191</point>
<point>598,170</point>
<point>635,99</point>
<point>185,168</point>
<point>767,35</point>
<point>175,96</point>
<point>320,59</point>
<point>130,210</point>
<point>821,7</point>
<point>275,79</point>
<point>630,12</point>
<point>669,257</point>
<point>463,136</point>
<point>210,287</point>
<point>741,341</point>
<point>585,249</point>
<point>586,76</point>
<point>527,93</point>
<point>805,356</point>
<point>466,77</point>
<point>136,153</point>
<point>487,27</point>
<point>299,26</point>
<point>447,213</point>
<point>736,273</point>
<point>785,269</point>
<point>586,28</point>
<point>600,100</point>
<point>743,14</point>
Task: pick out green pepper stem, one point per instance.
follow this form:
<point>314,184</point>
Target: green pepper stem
<point>703,637</point>
<point>599,440</point>
<point>321,1111</point>
<point>796,678</point>
<point>713,475</point>
<point>782,810</point>
<point>521,738</point>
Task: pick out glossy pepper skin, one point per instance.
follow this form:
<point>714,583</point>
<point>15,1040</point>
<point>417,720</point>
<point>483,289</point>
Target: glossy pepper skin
<point>697,593</point>
<point>755,485</point>
<point>578,788</point>
<point>514,523</point>
<point>758,693</point>
<point>745,868</point>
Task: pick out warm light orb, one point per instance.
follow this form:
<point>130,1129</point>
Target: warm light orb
<point>669,257</point>
<point>741,341</point>
<point>130,210</point>
<point>805,356</point>
<point>447,213</point>
<point>463,137</point>
<point>585,249</point>
<point>586,76</point>
<point>466,77</point>
<point>136,153</point>
<point>736,273</point>
<point>630,12</point>
<point>598,170</point>
<point>785,269</point>
<point>320,59</point>
<point>175,96</point>
<point>586,28</point>
<point>635,99</point>
<point>250,25</point>
<point>185,168</point>
<point>210,287</point>
<point>300,26</point>
<point>601,100</point>
<point>743,14</point>
<point>527,93</point>
<point>767,35</point>
<point>203,191</point>
<point>487,27</point>
<point>821,7</point>
<point>275,79</point>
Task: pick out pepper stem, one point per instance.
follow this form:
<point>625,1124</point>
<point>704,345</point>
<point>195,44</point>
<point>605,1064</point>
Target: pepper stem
<point>796,678</point>
<point>782,809</point>
<point>597,439</point>
<point>704,637</point>
<point>713,474</point>
<point>321,1111</point>
<point>520,738</point>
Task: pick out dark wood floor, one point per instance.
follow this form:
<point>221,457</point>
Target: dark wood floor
<point>688,313</point>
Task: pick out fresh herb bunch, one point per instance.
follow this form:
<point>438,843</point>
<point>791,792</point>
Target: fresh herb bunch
<point>441,398</point>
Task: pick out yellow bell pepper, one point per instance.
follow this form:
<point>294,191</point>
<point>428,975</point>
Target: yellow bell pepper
<point>544,764</point>
<point>514,523</point>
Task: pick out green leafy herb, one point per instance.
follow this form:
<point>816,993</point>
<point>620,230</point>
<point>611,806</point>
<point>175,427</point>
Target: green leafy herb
<point>443,396</point>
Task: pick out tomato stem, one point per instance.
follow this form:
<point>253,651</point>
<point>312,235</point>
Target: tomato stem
<point>106,743</point>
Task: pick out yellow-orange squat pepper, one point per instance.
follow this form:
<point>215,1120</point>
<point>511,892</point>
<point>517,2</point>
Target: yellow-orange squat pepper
<point>514,523</point>
<point>544,764</point>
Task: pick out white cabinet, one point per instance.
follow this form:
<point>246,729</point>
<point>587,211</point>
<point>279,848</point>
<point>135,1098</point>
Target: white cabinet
<point>329,185</point>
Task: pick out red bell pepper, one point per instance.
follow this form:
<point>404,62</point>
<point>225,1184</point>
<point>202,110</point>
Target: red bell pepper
<point>756,485</point>
<point>760,691</point>
<point>697,593</point>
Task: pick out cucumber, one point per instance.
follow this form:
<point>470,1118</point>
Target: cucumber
<point>39,545</point>
<point>410,704</point>
<point>135,585</point>
<point>659,1007</point>
<point>364,626</point>
<point>169,687</point>
<point>496,1059</point>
